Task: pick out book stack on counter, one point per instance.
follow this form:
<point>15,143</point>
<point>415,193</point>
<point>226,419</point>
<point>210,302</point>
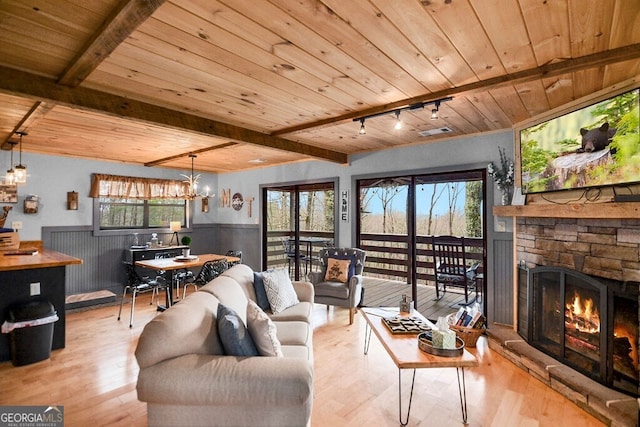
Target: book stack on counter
<point>468,317</point>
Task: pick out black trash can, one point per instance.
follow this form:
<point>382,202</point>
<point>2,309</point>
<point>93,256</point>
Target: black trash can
<point>32,333</point>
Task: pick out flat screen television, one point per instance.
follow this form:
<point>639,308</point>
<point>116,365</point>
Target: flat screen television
<point>590,146</point>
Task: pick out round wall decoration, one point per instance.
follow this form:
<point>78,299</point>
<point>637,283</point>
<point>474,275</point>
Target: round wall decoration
<point>237,201</point>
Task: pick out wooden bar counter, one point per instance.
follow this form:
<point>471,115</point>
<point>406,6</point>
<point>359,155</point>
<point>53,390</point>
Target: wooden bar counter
<point>17,274</point>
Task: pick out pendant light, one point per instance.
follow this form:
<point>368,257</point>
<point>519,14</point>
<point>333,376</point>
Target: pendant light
<point>10,176</point>
<point>20,172</point>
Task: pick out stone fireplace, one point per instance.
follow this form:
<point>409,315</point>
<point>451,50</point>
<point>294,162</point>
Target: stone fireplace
<point>574,266</point>
<point>587,257</point>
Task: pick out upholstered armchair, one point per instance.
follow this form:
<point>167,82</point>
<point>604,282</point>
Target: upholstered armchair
<point>342,285</point>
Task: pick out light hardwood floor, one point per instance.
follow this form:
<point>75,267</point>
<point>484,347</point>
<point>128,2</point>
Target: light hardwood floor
<point>94,378</point>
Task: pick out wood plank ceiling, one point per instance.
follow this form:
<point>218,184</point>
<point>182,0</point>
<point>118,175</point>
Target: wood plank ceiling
<point>244,84</point>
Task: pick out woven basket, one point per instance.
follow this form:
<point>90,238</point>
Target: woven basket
<point>468,335</point>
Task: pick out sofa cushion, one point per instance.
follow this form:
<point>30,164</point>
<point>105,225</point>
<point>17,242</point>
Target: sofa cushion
<point>234,335</point>
<point>301,312</point>
<point>195,379</point>
<point>261,293</point>
<point>298,352</point>
<point>338,270</point>
<point>192,323</point>
<point>332,289</point>
<point>243,275</point>
<point>263,331</point>
<point>228,291</point>
<point>280,291</point>
<point>294,332</point>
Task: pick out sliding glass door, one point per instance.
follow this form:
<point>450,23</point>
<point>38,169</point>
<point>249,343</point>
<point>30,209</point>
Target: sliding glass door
<point>298,221</point>
<point>398,216</point>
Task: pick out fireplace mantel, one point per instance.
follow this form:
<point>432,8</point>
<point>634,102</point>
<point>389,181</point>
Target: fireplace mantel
<point>584,210</point>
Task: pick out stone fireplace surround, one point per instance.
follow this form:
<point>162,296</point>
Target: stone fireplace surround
<point>594,240</point>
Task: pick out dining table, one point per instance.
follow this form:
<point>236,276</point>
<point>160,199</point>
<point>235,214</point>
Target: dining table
<point>172,265</point>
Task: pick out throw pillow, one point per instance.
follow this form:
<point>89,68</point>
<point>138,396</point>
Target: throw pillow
<point>236,340</point>
<point>337,270</point>
<point>263,331</point>
<point>261,294</point>
<point>352,258</point>
<point>279,288</point>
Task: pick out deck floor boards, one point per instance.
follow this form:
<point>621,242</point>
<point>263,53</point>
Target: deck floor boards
<point>387,293</point>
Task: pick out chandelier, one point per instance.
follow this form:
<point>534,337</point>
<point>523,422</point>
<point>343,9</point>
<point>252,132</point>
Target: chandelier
<point>192,184</point>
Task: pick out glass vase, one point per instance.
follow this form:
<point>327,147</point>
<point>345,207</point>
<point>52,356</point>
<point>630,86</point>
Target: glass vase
<point>507,195</point>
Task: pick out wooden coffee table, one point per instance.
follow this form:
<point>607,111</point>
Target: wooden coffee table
<point>403,350</point>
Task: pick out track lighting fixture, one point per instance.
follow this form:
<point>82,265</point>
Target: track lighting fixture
<point>398,125</point>
<point>419,105</point>
<point>434,111</point>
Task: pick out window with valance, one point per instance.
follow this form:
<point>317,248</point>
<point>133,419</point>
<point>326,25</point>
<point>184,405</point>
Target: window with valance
<point>124,202</point>
<point>128,187</point>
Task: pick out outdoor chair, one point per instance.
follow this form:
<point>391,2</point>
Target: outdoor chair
<point>288,244</point>
<point>342,285</point>
<point>137,284</point>
<point>451,269</point>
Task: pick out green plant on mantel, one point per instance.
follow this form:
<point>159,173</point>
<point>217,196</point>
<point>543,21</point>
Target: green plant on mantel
<point>186,240</point>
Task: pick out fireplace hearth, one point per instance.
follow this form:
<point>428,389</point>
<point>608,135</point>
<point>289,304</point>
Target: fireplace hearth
<point>590,324</point>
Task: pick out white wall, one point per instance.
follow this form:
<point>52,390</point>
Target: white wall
<point>51,177</point>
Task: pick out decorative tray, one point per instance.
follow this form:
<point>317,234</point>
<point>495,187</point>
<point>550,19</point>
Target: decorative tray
<point>425,344</point>
<point>182,258</point>
<point>405,325</point>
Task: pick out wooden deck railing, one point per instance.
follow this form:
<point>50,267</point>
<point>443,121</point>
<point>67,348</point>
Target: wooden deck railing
<point>387,254</point>
<point>276,256</point>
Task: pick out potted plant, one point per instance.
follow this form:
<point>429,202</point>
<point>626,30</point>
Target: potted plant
<point>186,241</point>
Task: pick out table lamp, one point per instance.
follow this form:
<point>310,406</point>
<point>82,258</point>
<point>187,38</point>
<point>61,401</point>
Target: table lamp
<point>175,226</point>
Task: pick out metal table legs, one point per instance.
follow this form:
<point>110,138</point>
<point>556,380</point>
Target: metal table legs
<point>462,390</point>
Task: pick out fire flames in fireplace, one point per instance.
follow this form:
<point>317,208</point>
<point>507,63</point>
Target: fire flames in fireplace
<point>582,315</point>
<point>589,323</point>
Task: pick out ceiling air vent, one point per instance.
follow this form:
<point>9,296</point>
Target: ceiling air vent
<point>437,131</point>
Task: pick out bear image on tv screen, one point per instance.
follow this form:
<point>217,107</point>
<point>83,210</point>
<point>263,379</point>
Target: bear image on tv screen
<point>596,139</point>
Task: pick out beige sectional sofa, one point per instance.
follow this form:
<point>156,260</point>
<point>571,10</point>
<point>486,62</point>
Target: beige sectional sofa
<point>186,379</point>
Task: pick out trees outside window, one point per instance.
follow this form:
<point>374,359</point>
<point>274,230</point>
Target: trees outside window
<point>397,216</point>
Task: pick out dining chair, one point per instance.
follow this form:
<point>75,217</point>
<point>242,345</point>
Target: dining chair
<point>209,271</point>
<point>137,284</point>
<point>173,279</point>
<point>237,254</point>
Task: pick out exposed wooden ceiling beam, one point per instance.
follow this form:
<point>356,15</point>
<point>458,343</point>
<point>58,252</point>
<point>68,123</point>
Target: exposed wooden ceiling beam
<point>178,156</point>
<point>595,60</point>
<point>23,84</point>
<point>123,21</point>
<point>38,110</point>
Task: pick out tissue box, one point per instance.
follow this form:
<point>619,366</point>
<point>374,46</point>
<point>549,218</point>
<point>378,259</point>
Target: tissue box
<point>443,339</point>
